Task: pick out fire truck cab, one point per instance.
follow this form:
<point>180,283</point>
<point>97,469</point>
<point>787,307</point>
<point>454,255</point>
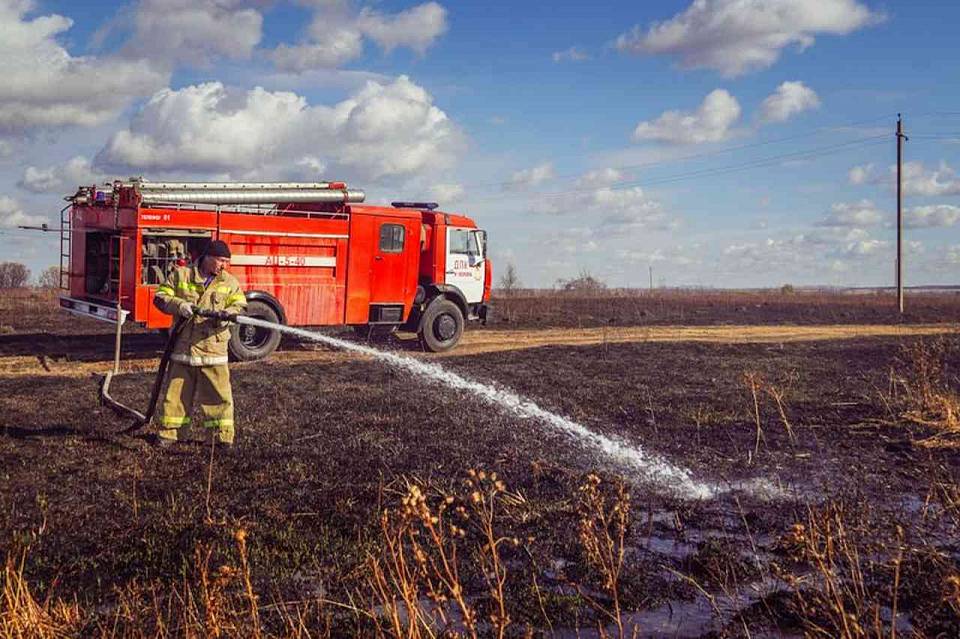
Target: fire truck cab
<point>307,254</point>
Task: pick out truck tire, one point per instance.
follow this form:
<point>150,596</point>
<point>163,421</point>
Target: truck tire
<point>442,326</point>
<point>248,343</point>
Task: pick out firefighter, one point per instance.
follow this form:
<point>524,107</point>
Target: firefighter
<point>198,365</point>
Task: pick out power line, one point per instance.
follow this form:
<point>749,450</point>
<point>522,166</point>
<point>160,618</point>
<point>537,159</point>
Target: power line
<point>710,172</point>
<point>704,154</point>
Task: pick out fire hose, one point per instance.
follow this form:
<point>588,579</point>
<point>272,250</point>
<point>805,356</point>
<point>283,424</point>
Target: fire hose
<point>142,419</point>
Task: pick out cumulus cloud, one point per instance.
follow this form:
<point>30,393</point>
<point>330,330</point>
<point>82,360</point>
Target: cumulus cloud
<point>446,194</point>
<point>417,27</point>
<point>194,32</point>
<point>932,216</point>
<point>573,54</point>
<point>711,122</point>
<point>44,86</point>
<point>615,212</point>
<point>853,214</point>
<point>534,176</point>
<point>12,216</point>
<point>788,100</point>
<point>384,129</point>
<point>860,174</point>
<point>917,180</point>
<point>810,249</point>
<point>599,178</point>
<point>738,36</point>
<point>54,179</point>
<point>337,47</point>
<point>336,35</point>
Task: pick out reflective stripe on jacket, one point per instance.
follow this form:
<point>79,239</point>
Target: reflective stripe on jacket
<point>203,341</point>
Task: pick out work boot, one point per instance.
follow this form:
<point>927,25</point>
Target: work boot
<point>219,441</point>
<point>165,443</point>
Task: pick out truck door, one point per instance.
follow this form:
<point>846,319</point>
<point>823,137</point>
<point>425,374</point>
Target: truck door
<point>390,283</point>
<point>465,262</point>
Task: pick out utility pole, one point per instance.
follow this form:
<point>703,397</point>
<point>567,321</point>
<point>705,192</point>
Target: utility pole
<point>651,278</point>
<point>900,138</point>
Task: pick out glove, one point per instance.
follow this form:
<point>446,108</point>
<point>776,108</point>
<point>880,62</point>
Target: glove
<point>185,310</point>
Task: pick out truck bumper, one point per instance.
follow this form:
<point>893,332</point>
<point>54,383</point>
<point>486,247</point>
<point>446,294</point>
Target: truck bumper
<point>94,310</point>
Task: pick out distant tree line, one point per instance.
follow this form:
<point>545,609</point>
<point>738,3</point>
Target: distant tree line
<point>16,275</point>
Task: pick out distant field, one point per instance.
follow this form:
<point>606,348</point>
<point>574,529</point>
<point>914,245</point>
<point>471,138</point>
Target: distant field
<point>830,423</point>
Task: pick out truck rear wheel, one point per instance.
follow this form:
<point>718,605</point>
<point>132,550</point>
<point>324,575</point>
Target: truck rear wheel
<point>248,343</point>
<point>442,326</point>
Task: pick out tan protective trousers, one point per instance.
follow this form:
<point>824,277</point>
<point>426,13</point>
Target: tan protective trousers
<point>208,385</point>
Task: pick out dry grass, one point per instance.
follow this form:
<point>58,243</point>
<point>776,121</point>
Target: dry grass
<point>604,519</point>
<point>924,392</point>
<point>23,617</point>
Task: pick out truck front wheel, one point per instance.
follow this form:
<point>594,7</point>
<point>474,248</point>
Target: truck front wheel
<point>441,327</point>
<point>248,343</point>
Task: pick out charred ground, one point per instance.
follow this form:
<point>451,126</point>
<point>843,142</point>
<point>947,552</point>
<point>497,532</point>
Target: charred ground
<point>329,441</point>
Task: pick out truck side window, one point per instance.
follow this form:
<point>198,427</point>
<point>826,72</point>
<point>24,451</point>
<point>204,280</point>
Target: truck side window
<point>391,238</point>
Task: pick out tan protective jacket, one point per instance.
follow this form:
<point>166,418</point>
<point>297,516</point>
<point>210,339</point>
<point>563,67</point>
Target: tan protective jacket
<point>203,341</point>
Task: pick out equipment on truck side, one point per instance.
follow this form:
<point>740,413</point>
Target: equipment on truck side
<point>307,254</point>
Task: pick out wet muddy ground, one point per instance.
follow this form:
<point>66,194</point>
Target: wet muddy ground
<point>328,441</point>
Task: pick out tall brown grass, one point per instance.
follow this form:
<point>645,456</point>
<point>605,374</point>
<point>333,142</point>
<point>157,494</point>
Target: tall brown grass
<point>922,391</point>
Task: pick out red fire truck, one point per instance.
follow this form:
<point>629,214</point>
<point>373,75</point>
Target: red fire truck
<point>307,254</point>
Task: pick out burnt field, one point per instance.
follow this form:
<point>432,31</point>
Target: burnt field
<point>364,500</point>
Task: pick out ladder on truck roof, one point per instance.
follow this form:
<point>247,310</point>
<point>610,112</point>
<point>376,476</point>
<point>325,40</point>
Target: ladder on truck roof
<point>246,193</point>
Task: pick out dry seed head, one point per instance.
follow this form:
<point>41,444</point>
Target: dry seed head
<point>240,535</point>
<point>482,475</point>
<point>475,497</point>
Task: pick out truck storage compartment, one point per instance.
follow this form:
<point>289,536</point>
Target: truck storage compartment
<point>102,264</point>
<point>164,249</point>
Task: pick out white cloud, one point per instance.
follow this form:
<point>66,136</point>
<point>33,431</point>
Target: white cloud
<point>599,178</point>
<point>932,216</point>
<point>12,216</point>
<point>739,36</point>
<point>417,27</point>
<point>711,122</point>
<point>337,47</point>
<point>43,86</point>
<point>194,31</point>
<point>573,54</point>
<point>788,100</point>
<point>54,179</point>
<point>807,250</point>
<point>446,194</point>
<point>615,212</point>
<point>335,35</point>
<point>853,214</point>
<point>534,176</point>
<point>860,174</point>
<point>381,130</point>
<point>917,180</point>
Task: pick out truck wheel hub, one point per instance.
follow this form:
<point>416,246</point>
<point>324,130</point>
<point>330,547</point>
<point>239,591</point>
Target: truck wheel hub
<point>446,327</point>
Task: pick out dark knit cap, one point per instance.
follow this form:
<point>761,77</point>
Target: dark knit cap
<point>217,248</point>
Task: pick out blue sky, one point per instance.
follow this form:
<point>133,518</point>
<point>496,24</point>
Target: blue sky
<point>725,143</point>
